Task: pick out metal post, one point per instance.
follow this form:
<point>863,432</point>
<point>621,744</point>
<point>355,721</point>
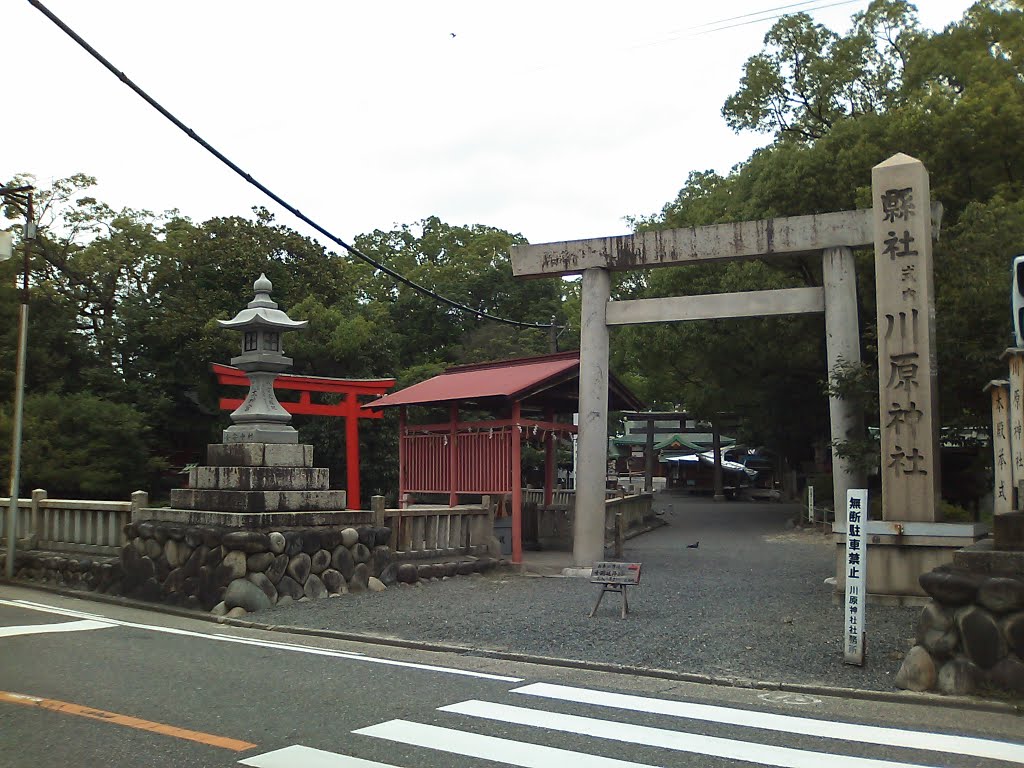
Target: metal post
<point>716,444</point>
<point>19,397</point>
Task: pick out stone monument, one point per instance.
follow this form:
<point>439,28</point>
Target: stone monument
<point>911,538</point>
<point>258,522</point>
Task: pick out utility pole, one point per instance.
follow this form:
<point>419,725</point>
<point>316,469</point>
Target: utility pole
<point>552,336</point>
<point>20,194</point>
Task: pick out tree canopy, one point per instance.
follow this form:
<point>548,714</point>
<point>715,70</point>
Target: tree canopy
<point>123,301</point>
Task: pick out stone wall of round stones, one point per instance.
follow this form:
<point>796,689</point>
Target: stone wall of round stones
<point>225,570</point>
<point>970,636</point>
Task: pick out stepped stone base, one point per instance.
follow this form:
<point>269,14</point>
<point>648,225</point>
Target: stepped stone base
<point>261,433</point>
<point>257,501</point>
<point>259,478</point>
<point>257,521</point>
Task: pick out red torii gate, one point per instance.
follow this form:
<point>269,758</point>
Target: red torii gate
<point>348,408</point>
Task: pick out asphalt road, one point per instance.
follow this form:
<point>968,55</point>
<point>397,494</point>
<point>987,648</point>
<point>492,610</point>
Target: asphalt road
<point>118,686</point>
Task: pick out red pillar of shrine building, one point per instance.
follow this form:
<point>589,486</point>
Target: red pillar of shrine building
<point>349,408</point>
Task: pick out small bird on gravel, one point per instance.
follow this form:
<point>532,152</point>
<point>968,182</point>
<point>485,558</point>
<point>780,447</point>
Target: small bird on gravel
<point>693,546</point>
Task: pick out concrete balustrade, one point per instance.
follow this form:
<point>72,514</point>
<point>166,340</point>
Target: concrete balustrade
<point>74,525</point>
<point>427,530</point>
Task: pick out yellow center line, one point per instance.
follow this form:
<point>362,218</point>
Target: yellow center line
<point>68,708</point>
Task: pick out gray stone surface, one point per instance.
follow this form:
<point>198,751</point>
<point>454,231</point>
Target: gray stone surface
<point>260,561</point>
<point>264,584</point>
<point>298,567</point>
<point>153,549</point>
<point>360,553</point>
<point>1008,531</point>
<point>342,560</point>
<point>314,588</point>
<point>260,478</point>
<point>277,542</point>
<point>349,536</point>
<point>1013,631</point>
<point>1008,675</point>
<point>237,612</point>
<point>288,587</point>
<point>235,560</point>
<point>917,673</point>
<point>375,585</point>
<point>333,580</point>
<point>257,501</point>
<point>367,536</point>
<point>1002,594</point>
<point>261,521</point>
<point>360,578</point>
<point>980,636</point>
<point>288,456</point>
<point>380,558</point>
<point>243,593</point>
<point>320,561</point>
<point>407,573</point>
<point>277,568</point>
<point>982,558</point>
<point>293,543</point>
<point>249,542</point>
<point>936,630</point>
<point>950,587</point>
<point>311,542</point>
<point>959,677</point>
<point>219,609</point>
<point>236,455</point>
<point>176,553</point>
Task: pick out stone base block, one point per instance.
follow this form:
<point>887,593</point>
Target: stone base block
<point>1008,531</point>
<point>258,455</point>
<point>258,501</point>
<point>984,558</point>
<point>257,521</point>
<point>896,562</point>
<point>259,478</point>
<point>261,433</point>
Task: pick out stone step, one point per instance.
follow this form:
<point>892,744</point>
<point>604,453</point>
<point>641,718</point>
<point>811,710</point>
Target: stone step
<point>257,501</point>
<point>259,478</point>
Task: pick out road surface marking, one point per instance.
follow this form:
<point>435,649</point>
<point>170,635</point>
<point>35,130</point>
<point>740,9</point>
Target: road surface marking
<point>694,743</point>
<point>349,655</point>
<point>491,748</point>
<point>298,756</point>
<point>68,626</point>
<point>68,708</point>
<point>866,734</point>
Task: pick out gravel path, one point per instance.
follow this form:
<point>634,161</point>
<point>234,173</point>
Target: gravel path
<point>750,602</point>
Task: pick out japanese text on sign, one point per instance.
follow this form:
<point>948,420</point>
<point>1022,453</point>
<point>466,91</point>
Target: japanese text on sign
<point>856,576</point>
<point>615,573</point>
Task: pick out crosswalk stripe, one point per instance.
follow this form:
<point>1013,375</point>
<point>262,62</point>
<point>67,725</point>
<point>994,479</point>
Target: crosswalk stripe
<point>766,754</point>
<point>65,626</point>
<point>298,756</point>
<point>866,734</point>
<point>490,748</point>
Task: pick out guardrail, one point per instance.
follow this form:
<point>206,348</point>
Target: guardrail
<point>73,525</point>
<point>435,530</point>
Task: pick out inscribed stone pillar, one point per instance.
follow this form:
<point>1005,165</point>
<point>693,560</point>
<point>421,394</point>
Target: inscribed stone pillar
<point>1015,358</point>
<point>842,344</point>
<point>1002,456</point>
<point>907,373</point>
<point>592,458</point>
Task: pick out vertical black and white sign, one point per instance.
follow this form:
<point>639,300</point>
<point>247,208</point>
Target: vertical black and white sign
<point>856,575</point>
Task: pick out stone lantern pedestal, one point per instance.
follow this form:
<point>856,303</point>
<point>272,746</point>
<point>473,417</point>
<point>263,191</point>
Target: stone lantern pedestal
<point>258,522</point>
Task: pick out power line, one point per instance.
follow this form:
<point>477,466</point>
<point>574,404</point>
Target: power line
<point>265,190</point>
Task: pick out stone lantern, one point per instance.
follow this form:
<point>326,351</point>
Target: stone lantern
<point>260,418</point>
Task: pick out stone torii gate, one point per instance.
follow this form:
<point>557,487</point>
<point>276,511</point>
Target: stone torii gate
<point>900,228</point>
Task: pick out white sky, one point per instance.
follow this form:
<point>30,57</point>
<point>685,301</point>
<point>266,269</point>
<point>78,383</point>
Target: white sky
<point>552,119</point>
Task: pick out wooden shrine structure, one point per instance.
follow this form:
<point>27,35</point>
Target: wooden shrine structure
<point>491,409</point>
<point>348,408</point>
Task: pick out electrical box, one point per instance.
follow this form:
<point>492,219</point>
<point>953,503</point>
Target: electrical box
<point>6,244</point>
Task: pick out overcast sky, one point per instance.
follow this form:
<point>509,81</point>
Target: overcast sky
<point>551,119</point>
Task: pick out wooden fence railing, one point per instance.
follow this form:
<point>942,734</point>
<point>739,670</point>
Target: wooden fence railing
<point>429,530</point>
<point>73,525</point>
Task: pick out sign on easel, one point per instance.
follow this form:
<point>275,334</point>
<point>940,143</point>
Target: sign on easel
<point>856,575</point>
<point>614,577</point>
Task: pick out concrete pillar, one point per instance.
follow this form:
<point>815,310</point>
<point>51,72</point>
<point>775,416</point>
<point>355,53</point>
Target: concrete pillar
<point>592,457</point>
<point>842,344</point>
